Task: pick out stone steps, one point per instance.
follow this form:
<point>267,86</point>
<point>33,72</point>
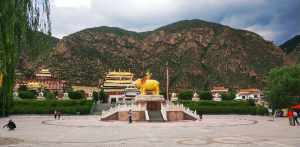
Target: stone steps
<point>99,107</point>
<point>155,116</point>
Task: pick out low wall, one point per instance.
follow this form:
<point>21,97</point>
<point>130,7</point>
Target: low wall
<point>178,116</point>
<point>136,116</point>
<point>111,117</point>
<point>175,115</point>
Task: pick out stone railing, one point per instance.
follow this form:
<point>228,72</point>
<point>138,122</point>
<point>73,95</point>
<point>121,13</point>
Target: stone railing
<point>120,108</point>
<point>180,107</point>
<point>146,116</point>
<point>163,111</point>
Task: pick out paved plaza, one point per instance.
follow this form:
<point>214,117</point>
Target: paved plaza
<point>88,131</point>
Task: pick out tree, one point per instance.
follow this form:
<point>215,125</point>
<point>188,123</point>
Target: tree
<point>50,96</point>
<point>206,95</point>
<point>18,20</point>
<point>282,84</point>
<point>95,96</point>
<point>185,95</point>
<point>103,97</point>
<point>77,95</point>
<point>229,96</point>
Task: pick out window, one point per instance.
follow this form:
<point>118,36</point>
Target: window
<point>243,97</point>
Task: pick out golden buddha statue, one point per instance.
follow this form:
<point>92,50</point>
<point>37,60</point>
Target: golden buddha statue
<point>147,84</point>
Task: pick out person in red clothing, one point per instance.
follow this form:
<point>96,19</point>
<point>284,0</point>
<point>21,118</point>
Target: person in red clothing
<point>291,117</point>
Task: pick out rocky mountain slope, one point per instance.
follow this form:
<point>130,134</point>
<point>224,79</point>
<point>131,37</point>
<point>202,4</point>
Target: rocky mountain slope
<point>292,50</point>
<point>35,53</point>
<point>199,54</point>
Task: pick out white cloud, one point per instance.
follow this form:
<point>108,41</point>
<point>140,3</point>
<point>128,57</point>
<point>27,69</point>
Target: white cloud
<point>72,3</point>
<point>265,31</point>
<point>260,16</point>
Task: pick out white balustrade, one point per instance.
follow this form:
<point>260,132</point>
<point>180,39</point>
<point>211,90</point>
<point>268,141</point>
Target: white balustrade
<point>163,111</point>
<point>180,107</point>
<point>124,107</point>
<point>147,115</point>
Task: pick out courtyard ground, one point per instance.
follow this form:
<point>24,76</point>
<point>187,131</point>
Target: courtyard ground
<point>88,131</point>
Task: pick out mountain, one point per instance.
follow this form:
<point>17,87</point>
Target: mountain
<point>35,53</point>
<point>292,50</point>
<point>199,54</point>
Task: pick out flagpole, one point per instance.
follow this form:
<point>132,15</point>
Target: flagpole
<point>167,92</point>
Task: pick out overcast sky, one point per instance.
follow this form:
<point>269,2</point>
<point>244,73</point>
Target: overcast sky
<point>275,20</point>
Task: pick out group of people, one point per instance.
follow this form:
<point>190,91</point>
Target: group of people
<point>57,114</point>
<point>130,116</point>
<point>293,117</point>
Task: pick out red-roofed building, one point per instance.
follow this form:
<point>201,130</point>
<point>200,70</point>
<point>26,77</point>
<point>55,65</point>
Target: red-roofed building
<point>217,91</point>
<point>249,93</point>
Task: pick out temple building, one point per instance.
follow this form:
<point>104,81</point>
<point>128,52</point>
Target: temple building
<point>119,86</point>
<point>249,93</point>
<point>149,105</point>
<point>217,92</point>
<point>88,90</point>
<point>44,80</point>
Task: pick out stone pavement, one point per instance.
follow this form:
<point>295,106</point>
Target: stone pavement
<point>213,131</point>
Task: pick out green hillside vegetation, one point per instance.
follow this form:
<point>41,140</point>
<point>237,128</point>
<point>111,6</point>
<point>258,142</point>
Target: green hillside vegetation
<point>291,44</point>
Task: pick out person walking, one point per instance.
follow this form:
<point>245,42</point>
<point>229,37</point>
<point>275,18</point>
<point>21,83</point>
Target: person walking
<point>295,116</point>
<point>55,114</point>
<point>58,114</point>
<point>290,117</point>
<point>130,116</point>
<point>200,115</point>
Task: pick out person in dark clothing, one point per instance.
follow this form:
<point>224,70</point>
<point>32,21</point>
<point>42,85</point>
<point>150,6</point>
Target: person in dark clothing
<point>200,115</point>
<point>58,114</point>
<point>10,125</point>
<point>130,116</point>
<point>55,114</point>
<point>295,115</point>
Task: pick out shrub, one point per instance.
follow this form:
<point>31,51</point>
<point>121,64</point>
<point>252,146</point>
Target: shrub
<point>22,88</point>
<point>206,95</point>
<point>229,96</point>
<point>224,107</point>
<point>48,106</point>
<point>185,95</point>
<point>77,95</point>
<point>50,96</point>
<point>251,102</point>
<point>27,95</point>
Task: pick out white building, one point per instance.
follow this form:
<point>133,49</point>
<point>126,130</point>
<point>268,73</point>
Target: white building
<point>217,91</point>
<point>249,93</point>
